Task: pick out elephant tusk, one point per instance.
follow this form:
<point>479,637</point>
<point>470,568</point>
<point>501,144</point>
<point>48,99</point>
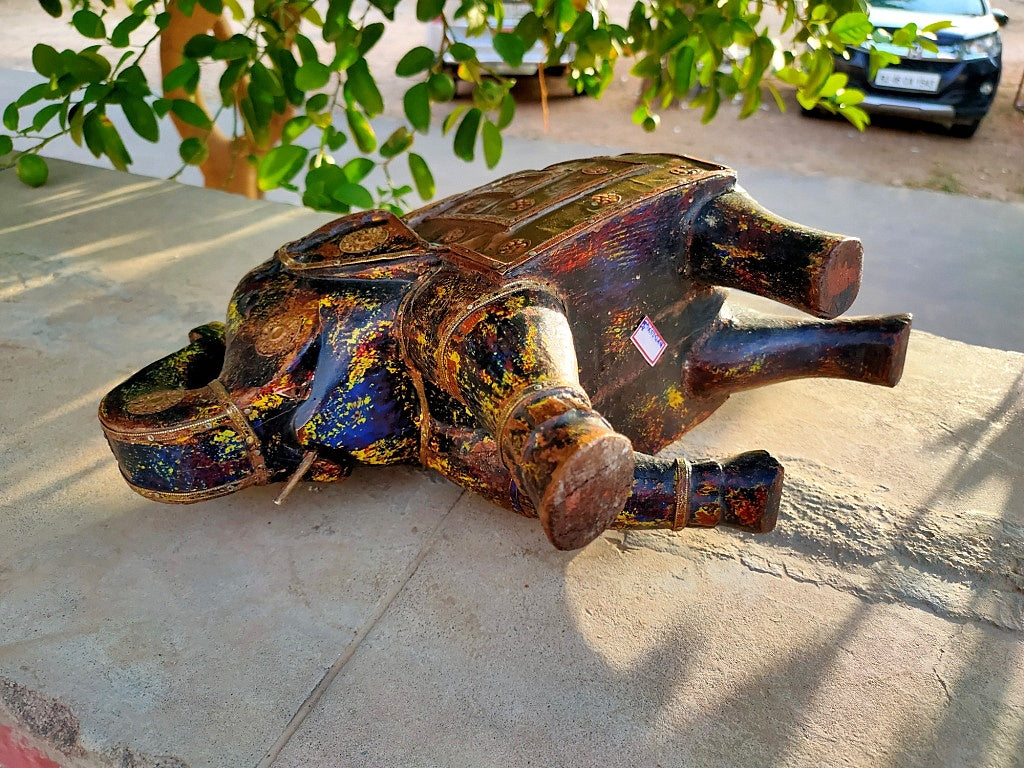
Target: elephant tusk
<point>304,465</point>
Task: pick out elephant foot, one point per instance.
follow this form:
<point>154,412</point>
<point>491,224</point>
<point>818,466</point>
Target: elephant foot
<point>579,473</point>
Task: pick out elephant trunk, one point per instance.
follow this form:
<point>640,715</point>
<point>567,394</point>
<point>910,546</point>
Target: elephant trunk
<point>174,430</point>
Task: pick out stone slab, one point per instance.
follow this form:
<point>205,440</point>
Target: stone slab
<point>391,620</point>
<point>879,625</point>
<point>190,631</point>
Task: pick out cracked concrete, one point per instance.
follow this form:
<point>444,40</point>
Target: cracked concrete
<point>392,620</point>
<point>962,564</point>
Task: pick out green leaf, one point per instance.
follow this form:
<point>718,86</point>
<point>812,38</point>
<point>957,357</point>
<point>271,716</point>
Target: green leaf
<point>52,7</point>
<point>200,46</point>
<point>684,71</point>
<point>216,7</point>
<point>89,24</point>
<point>357,169</point>
<point>32,95</point>
<point>235,47</point>
<point>510,48</point>
<point>45,60</point>
<point>87,66</point>
<point>32,170</point>
<point>835,83</point>
<point>428,10</point>
<point>417,107</point>
<point>120,37</point>
<point>387,7</point>
<point>312,76</point>
<point>421,176</point>
<point>141,118</point>
<point>452,118</point>
<point>113,147</point>
<point>414,61</point>
<point>161,107</point>
<point>396,143</point>
<point>45,115</point>
<point>492,143</point>
<point>462,52</point>
<point>193,151</point>
<point>318,102</point>
<point>307,50</point>
<point>507,112</point>
<point>77,118</point>
<point>295,128</point>
<point>853,28</point>
<point>441,86</point>
<point>184,76</point>
<point>280,165</point>
<point>335,139</point>
<point>92,131</point>
<point>190,113</point>
<point>361,85</point>
<point>354,195</point>
<point>6,145</point>
<point>369,36</point>
<point>362,132</point>
<point>465,136</point>
<point>11,117</point>
<point>857,116</point>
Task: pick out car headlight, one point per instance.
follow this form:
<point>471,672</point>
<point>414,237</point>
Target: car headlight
<point>988,46</point>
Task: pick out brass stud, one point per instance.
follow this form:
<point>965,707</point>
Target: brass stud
<point>514,245</point>
<point>522,204</point>
<point>363,240</point>
<point>602,199</point>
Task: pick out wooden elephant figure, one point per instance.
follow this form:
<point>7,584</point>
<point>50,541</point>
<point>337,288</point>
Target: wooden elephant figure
<point>535,340</point>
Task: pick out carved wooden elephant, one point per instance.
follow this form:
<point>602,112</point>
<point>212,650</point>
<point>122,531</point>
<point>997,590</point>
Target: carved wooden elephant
<point>534,340</point>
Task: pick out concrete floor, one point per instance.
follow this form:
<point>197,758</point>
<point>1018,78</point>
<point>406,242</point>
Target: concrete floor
<point>393,620</point>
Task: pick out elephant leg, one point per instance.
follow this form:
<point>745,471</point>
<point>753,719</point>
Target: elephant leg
<point>741,492</point>
<point>748,349</point>
<point>509,357</point>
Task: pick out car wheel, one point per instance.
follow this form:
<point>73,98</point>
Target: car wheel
<point>964,130</point>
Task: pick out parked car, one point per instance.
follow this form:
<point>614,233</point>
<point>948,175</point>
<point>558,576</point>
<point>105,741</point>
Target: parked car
<point>954,86</point>
<point>485,52</point>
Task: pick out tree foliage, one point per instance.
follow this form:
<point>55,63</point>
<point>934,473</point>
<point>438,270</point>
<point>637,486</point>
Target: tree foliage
<point>297,79</point>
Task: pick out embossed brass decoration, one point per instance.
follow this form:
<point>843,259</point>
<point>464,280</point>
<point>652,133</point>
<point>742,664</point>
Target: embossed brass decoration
<point>535,340</point>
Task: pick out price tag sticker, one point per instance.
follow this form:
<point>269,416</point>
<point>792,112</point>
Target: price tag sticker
<point>650,343</point>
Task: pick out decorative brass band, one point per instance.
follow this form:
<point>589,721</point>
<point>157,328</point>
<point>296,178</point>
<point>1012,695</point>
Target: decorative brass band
<point>574,394</point>
<point>454,322</point>
<point>423,416</point>
<point>682,470</point>
<point>190,497</point>
<point>144,434</point>
<point>241,423</point>
<point>228,413</point>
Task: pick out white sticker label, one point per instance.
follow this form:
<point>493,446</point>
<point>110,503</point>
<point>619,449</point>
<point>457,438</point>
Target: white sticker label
<point>647,339</point>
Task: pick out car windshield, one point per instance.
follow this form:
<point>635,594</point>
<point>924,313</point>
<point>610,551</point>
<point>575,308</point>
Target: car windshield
<point>942,7</point>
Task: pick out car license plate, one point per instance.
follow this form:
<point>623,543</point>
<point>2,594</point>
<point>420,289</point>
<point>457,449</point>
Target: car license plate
<point>908,80</point>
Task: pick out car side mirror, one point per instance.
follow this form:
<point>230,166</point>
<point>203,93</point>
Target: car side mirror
<point>1000,17</point>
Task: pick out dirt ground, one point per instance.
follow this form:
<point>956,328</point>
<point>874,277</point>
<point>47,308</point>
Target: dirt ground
<point>897,153</point>
<point>989,165</point>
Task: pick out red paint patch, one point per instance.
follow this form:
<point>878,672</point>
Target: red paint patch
<point>16,752</point>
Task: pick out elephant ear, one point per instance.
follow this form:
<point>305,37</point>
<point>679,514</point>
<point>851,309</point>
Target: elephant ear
<point>367,245</point>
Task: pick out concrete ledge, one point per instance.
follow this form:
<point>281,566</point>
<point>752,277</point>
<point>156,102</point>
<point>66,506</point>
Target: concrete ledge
<point>393,620</point>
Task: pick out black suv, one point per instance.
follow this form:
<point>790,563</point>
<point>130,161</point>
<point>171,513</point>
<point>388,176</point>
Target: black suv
<point>954,86</point>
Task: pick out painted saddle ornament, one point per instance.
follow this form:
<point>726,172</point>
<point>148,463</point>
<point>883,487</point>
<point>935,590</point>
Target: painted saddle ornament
<point>534,340</point>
